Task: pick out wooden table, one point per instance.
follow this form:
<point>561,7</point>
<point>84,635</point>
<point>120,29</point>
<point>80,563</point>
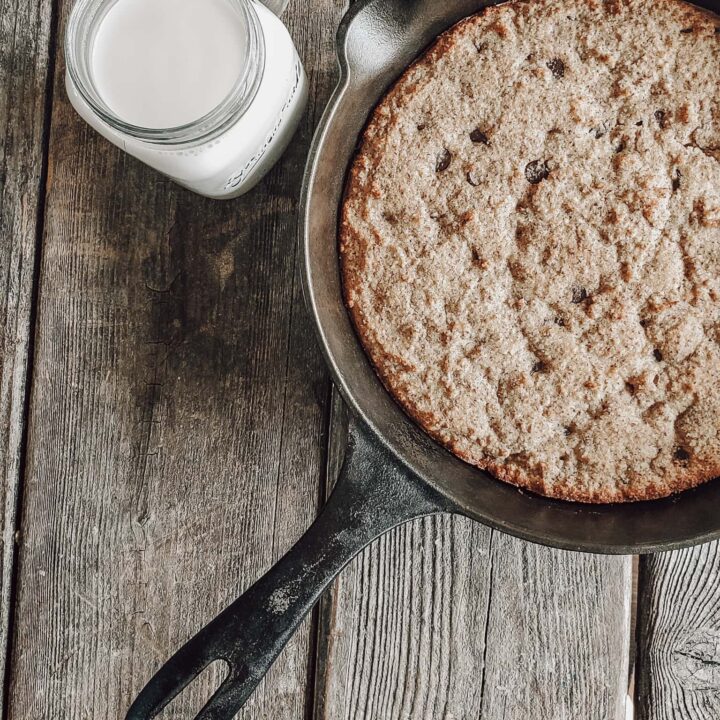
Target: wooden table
<point>169,429</point>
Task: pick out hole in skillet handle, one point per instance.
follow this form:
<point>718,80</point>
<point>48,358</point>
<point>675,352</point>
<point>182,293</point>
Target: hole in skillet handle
<point>176,690</point>
<point>196,695</point>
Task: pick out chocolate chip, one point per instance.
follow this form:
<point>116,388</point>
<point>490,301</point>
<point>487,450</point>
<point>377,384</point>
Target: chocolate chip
<point>644,322</point>
<point>676,180</point>
<point>620,147</point>
<point>443,160</point>
<point>639,123</point>
<point>661,117</point>
<point>557,68</point>
<point>421,126</point>
<point>630,388</point>
<point>686,31</point>
<point>539,367</point>
<point>568,431</point>
<point>599,131</point>
<point>657,355</point>
<point>478,136</point>
<point>579,294</point>
<point>473,178</point>
<point>681,454</point>
<point>536,171</point>
<point>560,322</point>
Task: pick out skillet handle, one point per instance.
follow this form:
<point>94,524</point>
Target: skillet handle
<point>372,495</point>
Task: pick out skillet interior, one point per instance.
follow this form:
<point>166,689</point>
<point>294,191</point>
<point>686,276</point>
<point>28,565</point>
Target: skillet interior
<point>376,42</point>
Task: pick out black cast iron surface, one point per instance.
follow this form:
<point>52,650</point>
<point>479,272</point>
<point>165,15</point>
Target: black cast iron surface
<point>393,472</point>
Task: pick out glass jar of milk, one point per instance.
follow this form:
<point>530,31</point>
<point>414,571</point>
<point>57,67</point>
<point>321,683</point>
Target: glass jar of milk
<point>208,92</point>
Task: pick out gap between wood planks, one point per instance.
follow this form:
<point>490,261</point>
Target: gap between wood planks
<point>324,487</point>
<point>632,660</point>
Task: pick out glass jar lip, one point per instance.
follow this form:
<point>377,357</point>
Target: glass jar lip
<point>84,19</point>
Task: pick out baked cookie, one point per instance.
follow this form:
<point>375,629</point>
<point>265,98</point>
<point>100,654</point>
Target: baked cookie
<point>530,245</point>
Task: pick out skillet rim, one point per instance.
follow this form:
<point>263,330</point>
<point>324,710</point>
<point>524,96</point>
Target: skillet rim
<point>384,10</point>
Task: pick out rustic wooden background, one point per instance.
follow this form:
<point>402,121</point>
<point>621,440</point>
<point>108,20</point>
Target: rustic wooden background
<point>168,430</point>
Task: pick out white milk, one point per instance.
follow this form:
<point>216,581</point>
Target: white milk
<point>209,92</point>
<point>164,63</point>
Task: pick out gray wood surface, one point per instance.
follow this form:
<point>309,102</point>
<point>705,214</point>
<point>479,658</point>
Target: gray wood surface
<point>25,39</point>
<point>181,432</point>
<point>678,672</point>
<point>443,618</point>
<point>177,416</point>
<point>558,634</point>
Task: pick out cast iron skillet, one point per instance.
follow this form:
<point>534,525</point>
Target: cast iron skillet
<point>393,471</point>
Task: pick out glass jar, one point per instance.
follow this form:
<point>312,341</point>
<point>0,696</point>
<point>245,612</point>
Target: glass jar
<point>227,151</point>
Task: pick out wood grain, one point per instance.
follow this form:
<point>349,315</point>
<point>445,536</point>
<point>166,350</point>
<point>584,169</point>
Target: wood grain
<point>25,38</point>
<point>678,663</point>
<point>558,634</point>
<point>445,619</point>
<point>177,417</point>
<point>411,636</point>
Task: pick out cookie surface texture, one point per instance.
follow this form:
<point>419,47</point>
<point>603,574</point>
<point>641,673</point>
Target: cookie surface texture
<point>530,245</point>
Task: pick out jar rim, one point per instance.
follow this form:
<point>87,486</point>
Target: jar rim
<point>85,19</point>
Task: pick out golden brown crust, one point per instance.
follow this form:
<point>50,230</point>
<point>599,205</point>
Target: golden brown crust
<point>360,234</point>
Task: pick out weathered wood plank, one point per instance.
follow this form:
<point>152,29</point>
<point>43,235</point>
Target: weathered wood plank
<point>678,662</point>
<point>558,634</point>
<point>444,619</point>
<point>177,416</point>
<point>25,38</point>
